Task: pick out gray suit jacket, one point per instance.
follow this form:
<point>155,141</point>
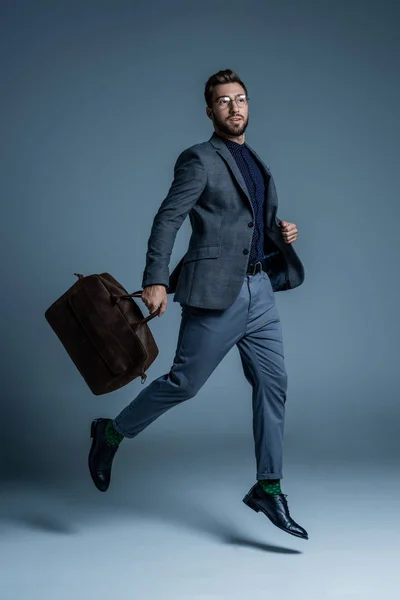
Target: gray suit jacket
<point>209,187</point>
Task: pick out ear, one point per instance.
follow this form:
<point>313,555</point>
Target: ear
<point>208,113</point>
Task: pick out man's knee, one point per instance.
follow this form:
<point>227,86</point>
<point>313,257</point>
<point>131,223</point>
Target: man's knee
<point>186,387</point>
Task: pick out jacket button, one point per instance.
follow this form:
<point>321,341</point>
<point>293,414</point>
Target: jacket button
<point>251,224</point>
<point>245,251</point>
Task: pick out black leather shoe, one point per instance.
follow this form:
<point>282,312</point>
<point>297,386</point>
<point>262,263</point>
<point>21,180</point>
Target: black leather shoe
<point>101,455</point>
<point>275,507</point>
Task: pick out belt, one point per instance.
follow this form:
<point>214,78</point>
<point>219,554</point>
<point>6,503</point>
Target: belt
<point>253,268</point>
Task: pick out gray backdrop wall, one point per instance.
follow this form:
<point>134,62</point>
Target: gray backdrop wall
<point>98,99</point>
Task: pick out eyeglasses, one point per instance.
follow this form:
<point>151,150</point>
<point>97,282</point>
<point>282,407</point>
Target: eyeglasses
<point>224,101</point>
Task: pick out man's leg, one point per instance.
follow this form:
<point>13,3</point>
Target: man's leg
<point>261,352</point>
<point>205,337</point>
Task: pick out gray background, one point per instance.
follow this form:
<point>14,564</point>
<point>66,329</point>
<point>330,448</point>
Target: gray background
<point>98,99</point>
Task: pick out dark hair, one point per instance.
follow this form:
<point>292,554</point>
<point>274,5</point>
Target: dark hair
<point>225,76</point>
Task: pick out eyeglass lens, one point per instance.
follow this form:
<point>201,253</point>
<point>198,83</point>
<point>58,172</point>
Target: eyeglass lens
<point>224,101</point>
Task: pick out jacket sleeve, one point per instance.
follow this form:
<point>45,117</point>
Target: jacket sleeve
<point>189,181</point>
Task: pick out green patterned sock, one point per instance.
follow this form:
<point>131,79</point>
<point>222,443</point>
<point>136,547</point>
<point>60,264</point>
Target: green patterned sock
<point>113,437</point>
<point>271,486</point>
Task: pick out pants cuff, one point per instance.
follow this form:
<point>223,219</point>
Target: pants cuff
<point>121,431</point>
<point>269,476</point>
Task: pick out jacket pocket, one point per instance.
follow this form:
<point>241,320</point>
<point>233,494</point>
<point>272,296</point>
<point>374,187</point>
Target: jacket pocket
<point>198,252</point>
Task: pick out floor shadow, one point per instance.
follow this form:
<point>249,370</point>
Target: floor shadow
<point>225,531</point>
<point>241,541</point>
<point>43,523</point>
<point>47,523</point>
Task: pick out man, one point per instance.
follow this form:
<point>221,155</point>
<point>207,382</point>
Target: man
<point>239,254</point>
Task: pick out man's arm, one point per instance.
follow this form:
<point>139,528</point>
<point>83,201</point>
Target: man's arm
<point>190,179</point>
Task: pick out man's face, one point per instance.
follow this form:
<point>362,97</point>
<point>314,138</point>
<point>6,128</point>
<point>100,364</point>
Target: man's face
<point>231,120</point>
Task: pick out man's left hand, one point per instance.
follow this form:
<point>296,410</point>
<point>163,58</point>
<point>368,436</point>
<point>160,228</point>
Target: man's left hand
<point>289,232</point>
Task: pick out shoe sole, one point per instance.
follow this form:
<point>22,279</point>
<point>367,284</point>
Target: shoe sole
<point>92,435</point>
<point>254,506</point>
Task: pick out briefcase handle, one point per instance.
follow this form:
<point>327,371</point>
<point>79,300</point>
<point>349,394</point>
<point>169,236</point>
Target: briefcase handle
<point>116,298</point>
<point>137,294</point>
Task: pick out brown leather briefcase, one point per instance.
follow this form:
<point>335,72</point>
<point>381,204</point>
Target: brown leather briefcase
<point>104,332</point>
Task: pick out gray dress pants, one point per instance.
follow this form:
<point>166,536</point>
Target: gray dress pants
<point>205,336</point>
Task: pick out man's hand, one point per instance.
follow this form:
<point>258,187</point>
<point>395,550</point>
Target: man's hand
<point>289,232</point>
<point>154,296</point>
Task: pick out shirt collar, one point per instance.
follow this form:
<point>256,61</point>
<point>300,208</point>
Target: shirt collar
<point>233,144</point>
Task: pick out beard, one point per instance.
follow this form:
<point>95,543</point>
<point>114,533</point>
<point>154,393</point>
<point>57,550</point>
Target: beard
<point>229,128</point>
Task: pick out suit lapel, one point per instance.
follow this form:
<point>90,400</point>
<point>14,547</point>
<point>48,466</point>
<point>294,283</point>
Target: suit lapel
<point>223,151</point>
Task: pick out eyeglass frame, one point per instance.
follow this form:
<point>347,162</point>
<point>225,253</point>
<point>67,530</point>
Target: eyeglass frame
<point>232,99</point>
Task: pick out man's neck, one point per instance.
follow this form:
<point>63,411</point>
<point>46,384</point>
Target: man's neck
<point>238,139</point>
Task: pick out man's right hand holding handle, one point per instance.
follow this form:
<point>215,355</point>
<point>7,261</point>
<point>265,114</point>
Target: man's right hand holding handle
<point>154,296</point>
